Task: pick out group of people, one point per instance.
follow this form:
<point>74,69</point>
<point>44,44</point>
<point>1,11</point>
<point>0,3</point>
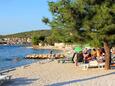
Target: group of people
<point>88,55</point>
<point>94,54</point>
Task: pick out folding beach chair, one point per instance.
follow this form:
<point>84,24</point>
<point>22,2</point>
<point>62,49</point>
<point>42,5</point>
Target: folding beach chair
<point>92,64</point>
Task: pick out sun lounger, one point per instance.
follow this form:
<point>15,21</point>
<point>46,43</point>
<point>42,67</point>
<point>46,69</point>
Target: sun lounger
<point>4,78</point>
<point>92,64</point>
<point>6,71</point>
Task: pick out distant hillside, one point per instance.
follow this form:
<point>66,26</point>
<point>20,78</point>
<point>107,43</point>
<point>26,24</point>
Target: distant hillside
<point>30,33</point>
<point>1,36</point>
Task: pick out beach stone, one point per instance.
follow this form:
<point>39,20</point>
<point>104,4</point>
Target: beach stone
<point>45,56</point>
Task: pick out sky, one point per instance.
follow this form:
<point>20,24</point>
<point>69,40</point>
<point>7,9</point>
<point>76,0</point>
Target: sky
<point>22,15</point>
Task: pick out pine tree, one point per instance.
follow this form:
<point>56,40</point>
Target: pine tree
<point>86,20</point>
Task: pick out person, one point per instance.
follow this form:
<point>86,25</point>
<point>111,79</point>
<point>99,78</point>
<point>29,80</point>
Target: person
<point>87,55</point>
<point>80,57</point>
<point>93,54</point>
<point>103,54</point>
<point>51,51</point>
<point>100,57</point>
<point>75,57</point>
<point>113,50</point>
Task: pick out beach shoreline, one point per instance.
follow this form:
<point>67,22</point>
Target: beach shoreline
<point>57,74</point>
<point>48,47</point>
<point>51,73</point>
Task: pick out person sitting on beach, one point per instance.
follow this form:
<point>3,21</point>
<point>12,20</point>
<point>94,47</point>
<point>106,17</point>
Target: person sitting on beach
<point>88,59</point>
<point>100,57</point>
<point>86,55</point>
<point>93,54</point>
<point>103,54</point>
<point>51,51</point>
<point>113,50</point>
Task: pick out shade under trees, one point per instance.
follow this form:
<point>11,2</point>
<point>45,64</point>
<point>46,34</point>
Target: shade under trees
<point>85,20</point>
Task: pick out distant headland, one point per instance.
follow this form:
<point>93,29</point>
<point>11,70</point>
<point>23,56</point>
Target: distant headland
<point>22,37</point>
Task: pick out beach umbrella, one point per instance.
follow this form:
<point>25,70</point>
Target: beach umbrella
<point>78,49</point>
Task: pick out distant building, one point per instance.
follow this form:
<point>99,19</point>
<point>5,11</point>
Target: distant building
<point>59,45</point>
<point>2,41</point>
<point>16,40</point>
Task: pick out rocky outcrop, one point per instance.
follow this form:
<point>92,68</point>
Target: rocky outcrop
<point>44,56</point>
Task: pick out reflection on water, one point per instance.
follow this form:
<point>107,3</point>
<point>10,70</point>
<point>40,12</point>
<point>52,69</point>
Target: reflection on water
<point>13,56</point>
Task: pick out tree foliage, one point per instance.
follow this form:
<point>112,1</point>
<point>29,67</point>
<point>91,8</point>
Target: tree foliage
<point>86,20</point>
<point>45,20</point>
<point>35,40</point>
<point>29,34</point>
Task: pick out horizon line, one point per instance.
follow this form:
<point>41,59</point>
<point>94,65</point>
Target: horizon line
<point>23,32</point>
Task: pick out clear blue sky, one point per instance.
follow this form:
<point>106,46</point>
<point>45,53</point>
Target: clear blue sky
<point>22,15</point>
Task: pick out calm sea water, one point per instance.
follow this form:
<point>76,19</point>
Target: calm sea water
<point>14,56</point>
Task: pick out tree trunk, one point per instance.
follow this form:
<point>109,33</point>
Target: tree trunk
<point>107,55</point>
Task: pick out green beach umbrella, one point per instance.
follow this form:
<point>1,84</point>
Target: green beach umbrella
<point>78,49</point>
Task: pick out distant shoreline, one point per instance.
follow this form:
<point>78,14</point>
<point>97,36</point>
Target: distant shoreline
<point>46,47</point>
<point>35,46</point>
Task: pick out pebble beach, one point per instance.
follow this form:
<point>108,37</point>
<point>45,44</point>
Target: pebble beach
<point>53,73</point>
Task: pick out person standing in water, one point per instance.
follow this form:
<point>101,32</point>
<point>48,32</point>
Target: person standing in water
<point>51,51</point>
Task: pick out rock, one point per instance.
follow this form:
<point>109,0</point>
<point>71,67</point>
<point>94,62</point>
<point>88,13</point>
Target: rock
<point>44,56</point>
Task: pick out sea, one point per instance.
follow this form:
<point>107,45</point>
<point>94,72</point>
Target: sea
<point>12,56</point>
